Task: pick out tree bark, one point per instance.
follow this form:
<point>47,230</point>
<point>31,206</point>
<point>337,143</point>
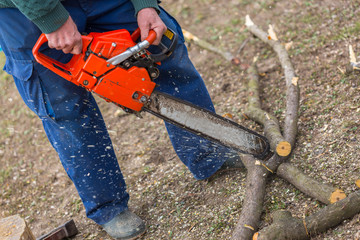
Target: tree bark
<point>325,218</point>
<point>323,192</point>
<point>249,220</point>
<point>271,125</point>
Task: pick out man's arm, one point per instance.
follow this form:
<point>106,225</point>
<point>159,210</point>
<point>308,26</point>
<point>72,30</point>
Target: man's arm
<point>54,20</point>
<point>48,15</point>
<point>148,19</point>
<point>66,38</point>
<point>147,12</point>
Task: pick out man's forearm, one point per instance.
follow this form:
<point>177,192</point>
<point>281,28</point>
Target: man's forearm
<point>141,4</point>
<point>48,15</point>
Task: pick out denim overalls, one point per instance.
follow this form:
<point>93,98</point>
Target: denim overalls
<point>71,117</point>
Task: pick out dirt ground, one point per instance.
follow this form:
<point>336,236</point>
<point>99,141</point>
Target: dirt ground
<point>162,191</point>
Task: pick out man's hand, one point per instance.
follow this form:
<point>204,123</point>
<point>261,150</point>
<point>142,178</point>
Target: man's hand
<point>67,38</point>
<point>148,19</point>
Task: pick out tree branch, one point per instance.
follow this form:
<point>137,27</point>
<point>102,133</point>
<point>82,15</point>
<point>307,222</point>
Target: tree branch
<point>292,228</point>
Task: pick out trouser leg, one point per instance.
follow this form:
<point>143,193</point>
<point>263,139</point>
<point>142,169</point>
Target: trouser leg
<point>179,78</point>
<point>70,116</point>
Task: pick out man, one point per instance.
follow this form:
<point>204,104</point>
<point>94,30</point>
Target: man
<point>70,116</point>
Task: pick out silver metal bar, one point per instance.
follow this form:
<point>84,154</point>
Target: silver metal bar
<point>128,53</point>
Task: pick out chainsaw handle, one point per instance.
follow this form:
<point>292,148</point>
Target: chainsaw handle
<point>166,48</point>
<point>68,70</point>
<point>150,38</point>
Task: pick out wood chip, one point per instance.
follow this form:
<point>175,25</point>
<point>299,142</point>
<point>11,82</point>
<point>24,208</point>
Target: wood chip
<point>250,227</point>
<point>294,81</point>
<point>272,33</point>
<point>352,54</point>
<point>288,45</point>
<point>189,36</point>
<point>248,21</point>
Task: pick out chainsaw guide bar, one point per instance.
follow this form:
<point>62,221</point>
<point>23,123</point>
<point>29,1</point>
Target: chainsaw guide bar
<point>207,124</point>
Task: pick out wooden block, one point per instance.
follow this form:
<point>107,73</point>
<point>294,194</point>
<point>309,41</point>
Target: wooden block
<point>15,228</point>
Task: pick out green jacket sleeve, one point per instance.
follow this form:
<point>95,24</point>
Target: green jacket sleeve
<point>140,4</point>
<point>48,15</point>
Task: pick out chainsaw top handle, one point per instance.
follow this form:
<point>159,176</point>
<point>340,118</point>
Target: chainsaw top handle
<point>167,44</point>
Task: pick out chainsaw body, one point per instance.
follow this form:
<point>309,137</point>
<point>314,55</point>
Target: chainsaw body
<point>128,84</point>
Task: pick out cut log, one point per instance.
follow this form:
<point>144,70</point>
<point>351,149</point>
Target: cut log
<point>298,229</point>
<point>15,228</point>
<point>323,192</point>
<point>249,220</point>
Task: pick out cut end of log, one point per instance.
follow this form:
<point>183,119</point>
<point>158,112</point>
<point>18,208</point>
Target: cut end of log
<point>15,228</point>
<point>255,236</point>
<point>283,149</point>
<point>248,21</point>
<point>337,195</point>
<point>189,36</point>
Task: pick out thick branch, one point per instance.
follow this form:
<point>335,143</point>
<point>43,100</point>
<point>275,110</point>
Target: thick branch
<point>325,218</point>
<point>292,92</point>
<point>253,202</point>
<point>271,125</point>
<point>320,191</point>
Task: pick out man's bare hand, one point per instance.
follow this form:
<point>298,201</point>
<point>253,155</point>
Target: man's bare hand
<point>67,38</point>
<point>148,19</point>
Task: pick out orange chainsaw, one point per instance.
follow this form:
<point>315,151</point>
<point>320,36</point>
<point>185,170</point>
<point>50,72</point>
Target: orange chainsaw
<point>118,68</point>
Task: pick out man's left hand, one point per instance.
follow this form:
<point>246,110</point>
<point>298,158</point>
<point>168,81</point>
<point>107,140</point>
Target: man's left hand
<point>148,19</point>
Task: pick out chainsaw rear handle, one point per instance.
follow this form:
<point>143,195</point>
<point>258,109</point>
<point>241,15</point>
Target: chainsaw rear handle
<point>70,70</point>
<point>67,70</point>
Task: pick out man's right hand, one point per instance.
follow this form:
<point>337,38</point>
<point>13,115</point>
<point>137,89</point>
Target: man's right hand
<point>66,38</point>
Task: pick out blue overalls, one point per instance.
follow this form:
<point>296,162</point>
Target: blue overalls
<point>71,117</point>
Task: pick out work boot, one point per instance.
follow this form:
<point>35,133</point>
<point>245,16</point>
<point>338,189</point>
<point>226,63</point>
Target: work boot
<point>126,225</point>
